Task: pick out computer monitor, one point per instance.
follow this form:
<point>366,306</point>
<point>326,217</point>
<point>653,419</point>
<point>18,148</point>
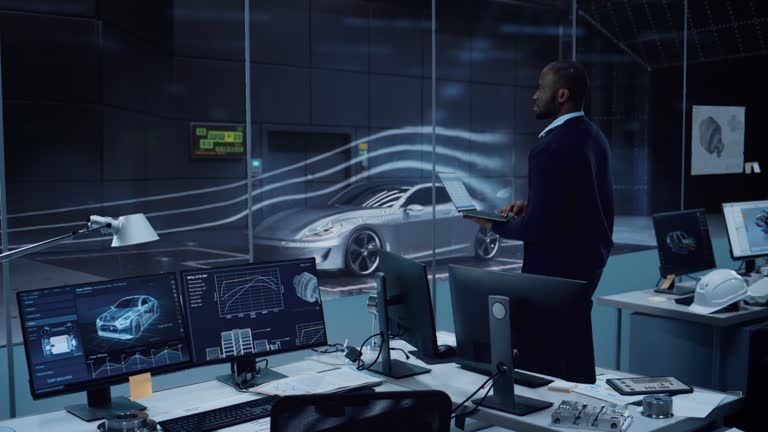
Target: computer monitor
<point>683,242</point>
<point>94,335</point>
<point>409,311</point>
<point>551,325</point>
<point>747,226</point>
<point>239,313</point>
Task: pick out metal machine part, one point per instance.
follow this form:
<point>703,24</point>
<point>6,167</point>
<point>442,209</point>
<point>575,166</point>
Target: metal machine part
<point>581,415</point>
<point>657,406</point>
<point>132,421</point>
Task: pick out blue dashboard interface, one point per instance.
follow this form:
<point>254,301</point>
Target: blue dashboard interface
<point>98,331</point>
<point>254,309</point>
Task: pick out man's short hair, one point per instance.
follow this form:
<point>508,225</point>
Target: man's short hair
<point>570,75</point>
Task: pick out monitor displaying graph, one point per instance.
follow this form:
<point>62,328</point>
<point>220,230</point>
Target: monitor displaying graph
<point>253,310</point>
<point>80,335</point>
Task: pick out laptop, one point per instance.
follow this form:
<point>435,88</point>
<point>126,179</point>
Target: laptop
<point>461,199</point>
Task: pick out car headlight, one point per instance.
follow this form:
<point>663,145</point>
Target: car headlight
<point>322,231</point>
<point>122,321</point>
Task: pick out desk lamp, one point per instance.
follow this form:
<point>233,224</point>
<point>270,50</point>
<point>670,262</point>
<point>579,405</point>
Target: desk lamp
<point>126,230</point>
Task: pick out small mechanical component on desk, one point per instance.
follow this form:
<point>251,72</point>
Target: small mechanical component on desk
<point>581,415</point>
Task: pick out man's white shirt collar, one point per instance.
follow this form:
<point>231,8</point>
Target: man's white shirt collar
<point>560,120</point>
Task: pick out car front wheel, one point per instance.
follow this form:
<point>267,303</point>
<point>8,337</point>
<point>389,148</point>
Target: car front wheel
<point>362,254</point>
<point>486,244</point>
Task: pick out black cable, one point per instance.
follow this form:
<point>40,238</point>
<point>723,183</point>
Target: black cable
<point>464,402</point>
<point>362,366</point>
<point>480,402</point>
<point>407,357</point>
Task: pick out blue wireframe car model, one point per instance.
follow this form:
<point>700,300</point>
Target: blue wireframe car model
<point>680,242</point>
<point>761,220</point>
<point>128,317</point>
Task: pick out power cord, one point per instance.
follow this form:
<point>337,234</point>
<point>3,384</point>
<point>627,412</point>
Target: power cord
<point>493,378</point>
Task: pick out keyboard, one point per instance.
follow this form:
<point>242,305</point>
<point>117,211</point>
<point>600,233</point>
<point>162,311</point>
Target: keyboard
<point>522,378</point>
<point>220,418</point>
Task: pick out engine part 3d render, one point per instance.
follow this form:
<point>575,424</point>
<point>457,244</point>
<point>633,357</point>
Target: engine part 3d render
<point>711,136</point>
<point>307,287</point>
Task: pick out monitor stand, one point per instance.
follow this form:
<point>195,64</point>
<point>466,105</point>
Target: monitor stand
<point>101,404</point>
<point>247,374</point>
<point>677,288</point>
<point>387,366</point>
<point>504,397</point>
<point>750,266</point>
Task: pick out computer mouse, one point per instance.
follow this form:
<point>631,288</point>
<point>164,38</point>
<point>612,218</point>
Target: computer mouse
<point>446,351</point>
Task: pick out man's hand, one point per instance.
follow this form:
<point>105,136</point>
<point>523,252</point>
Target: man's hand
<point>485,223</point>
<point>516,209</point>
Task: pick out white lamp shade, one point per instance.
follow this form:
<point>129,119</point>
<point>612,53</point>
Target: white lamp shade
<point>132,229</point>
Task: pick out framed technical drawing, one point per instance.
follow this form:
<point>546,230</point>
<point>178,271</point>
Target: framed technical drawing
<point>717,140</point>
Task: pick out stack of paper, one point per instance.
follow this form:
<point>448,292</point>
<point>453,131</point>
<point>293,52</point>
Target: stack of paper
<point>324,382</point>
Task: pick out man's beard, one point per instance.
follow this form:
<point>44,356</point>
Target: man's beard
<point>546,112</point>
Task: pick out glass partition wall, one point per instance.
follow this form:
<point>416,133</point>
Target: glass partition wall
<point>259,130</point>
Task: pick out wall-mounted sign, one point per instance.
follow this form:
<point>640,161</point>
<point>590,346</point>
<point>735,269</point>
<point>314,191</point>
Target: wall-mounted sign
<point>217,140</point>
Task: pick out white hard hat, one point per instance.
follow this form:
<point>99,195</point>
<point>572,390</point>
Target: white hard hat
<point>718,289</point>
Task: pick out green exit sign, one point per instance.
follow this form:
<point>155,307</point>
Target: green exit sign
<point>218,140</point>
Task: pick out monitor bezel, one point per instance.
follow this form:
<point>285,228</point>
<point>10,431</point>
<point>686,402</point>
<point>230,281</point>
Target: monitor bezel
<point>183,293</point>
<point>728,233</point>
<point>690,270</point>
<point>112,380</point>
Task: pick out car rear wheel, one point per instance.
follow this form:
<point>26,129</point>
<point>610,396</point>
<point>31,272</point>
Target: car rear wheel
<point>487,244</point>
<point>362,254</point>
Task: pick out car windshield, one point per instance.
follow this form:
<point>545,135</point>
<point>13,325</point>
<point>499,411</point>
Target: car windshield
<point>128,302</point>
<point>371,196</point>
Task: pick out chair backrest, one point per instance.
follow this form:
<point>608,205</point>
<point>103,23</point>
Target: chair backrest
<point>401,411</point>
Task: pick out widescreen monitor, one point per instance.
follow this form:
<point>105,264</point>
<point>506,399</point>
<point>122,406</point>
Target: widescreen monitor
<point>683,242</point>
<point>91,336</point>
<point>550,321</point>
<point>253,310</point>
<point>747,225</point>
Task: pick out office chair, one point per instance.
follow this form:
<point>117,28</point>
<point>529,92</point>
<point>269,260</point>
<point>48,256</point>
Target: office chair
<point>402,411</point>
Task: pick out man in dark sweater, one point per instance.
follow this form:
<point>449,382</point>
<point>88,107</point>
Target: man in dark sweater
<point>567,223</point>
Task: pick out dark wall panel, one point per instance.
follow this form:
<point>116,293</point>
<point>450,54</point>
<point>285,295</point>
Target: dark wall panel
<point>340,34</point>
<point>57,64</point>
<point>52,141</point>
<point>79,8</point>
<point>395,36</point>
<point>209,30</point>
<point>280,94</point>
<point>493,107</point>
<point>280,32</point>
<point>210,90</point>
<point>339,98</point>
<point>135,77</point>
<point>395,101</point>
<point>738,78</point>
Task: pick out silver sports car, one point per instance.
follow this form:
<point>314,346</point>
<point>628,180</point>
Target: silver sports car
<point>128,317</point>
<point>348,232</point>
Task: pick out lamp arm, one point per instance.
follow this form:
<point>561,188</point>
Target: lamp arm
<point>7,256</point>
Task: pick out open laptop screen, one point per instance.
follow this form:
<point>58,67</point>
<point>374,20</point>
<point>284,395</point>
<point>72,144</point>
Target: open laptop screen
<point>457,191</point>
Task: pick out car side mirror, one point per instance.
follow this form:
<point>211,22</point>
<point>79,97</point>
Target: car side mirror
<point>414,208</point>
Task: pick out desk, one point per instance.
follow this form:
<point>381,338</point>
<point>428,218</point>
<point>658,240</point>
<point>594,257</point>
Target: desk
<point>663,305</point>
<point>459,383</point>
<point>456,382</point>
